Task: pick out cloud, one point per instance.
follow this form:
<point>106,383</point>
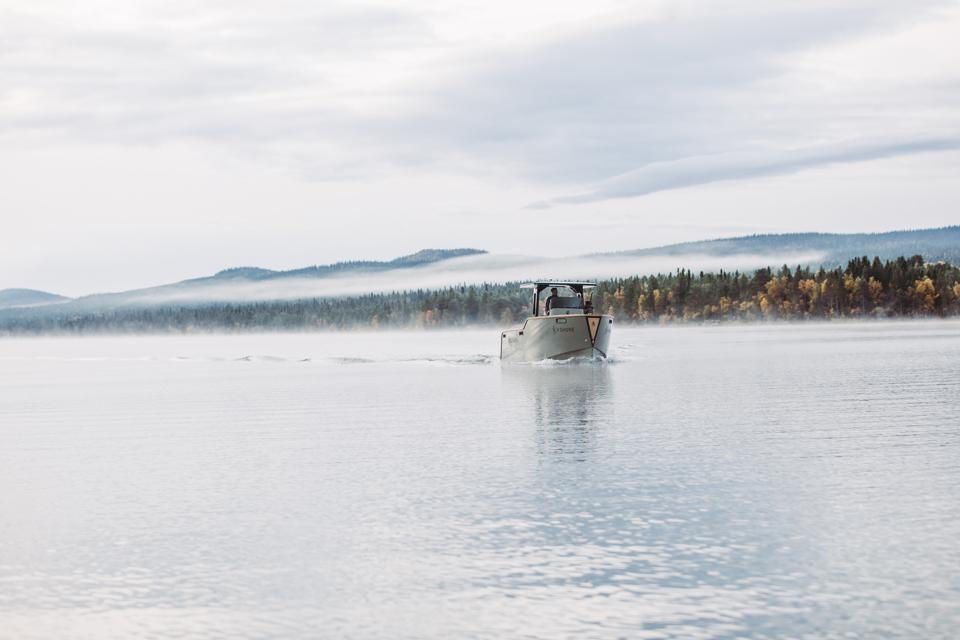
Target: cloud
<point>602,100</point>
<point>338,91</point>
<point>237,75</point>
<point>594,102</point>
<point>698,170</point>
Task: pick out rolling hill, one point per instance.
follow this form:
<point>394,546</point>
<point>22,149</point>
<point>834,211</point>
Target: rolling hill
<point>439,268</point>
<point>11,298</point>
<point>933,244</point>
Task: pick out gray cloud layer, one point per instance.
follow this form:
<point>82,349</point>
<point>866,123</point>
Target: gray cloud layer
<point>681,95</point>
<point>661,176</point>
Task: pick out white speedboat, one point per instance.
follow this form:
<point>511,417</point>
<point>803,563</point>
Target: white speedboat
<point>563,325</point>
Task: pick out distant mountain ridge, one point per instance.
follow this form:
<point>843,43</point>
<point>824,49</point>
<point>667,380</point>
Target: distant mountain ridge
<point>422,257</point>
<point>28,298</point>
<point>429,268</point>
<point>941,243</point>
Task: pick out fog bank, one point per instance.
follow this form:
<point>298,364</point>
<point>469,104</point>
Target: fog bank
<point>467,270</point>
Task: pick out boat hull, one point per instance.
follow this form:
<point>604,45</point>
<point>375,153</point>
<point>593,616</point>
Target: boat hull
<point>557,338</point>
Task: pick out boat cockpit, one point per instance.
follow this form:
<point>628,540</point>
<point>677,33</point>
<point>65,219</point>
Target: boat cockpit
<point>562,298</point>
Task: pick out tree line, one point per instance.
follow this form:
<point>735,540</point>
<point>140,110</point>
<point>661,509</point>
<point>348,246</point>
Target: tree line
<point>904,287</point>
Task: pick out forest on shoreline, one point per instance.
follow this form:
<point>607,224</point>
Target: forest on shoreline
<point>865,288</point>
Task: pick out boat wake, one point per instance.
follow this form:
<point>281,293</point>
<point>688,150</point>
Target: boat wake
<point>457,360</point>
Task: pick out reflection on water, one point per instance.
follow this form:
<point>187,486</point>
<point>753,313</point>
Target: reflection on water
<point>568,404</point>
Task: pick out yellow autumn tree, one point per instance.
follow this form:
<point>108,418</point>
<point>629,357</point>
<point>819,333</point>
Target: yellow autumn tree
<point>924,295</point>
<point>876,291</point>
<point>849,283</point>
<point>810,291</point>
<point>775,288</point>
<point>725,304</point>
<point>764,304</point>
<point>642,312</point>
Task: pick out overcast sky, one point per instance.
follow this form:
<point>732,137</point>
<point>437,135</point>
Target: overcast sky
<point>145,142</point>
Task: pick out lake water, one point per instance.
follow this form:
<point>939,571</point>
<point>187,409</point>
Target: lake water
<point>755,481</point>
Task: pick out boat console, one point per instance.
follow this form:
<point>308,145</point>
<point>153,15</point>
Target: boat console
<point>566,306</point>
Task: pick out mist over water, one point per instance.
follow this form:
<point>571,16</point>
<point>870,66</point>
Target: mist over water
<point>464,270</point>
<point>706,482</point>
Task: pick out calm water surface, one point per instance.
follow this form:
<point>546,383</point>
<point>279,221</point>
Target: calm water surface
<point>764,481</point>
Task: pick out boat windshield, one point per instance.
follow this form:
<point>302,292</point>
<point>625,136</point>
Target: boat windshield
<point>563,301</point>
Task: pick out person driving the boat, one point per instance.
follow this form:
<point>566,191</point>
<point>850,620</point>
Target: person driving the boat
<point>553,296</point>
